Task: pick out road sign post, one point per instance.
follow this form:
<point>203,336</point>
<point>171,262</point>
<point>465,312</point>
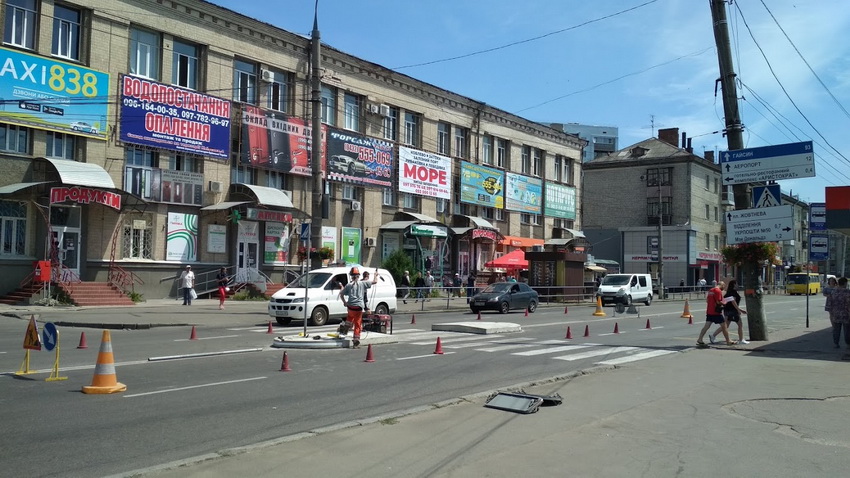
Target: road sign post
<point>50,337</point>
<point>818,247</point>
<point>766,224</point>
<point>768,163</point>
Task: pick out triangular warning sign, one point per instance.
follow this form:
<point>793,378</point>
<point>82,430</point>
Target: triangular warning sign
<point>768,197</point>
<point>31,339</point>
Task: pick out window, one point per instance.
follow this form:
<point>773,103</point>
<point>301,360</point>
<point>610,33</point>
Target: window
<point>20,23</point>
<point>410,201</point>
<point>411,128</point>
<point>280,91</point>
<point>275,179</point>
<point>487,149</point>
<point>349,192</point>
<point>137,241</point>
<point>243,175</point>
<point>444,145</point>
<point>135,156</point>
<point>569,176</point>
<point>351,112</point>
<point>245,82</point>
<point>391,125</point>
<point>488,212</point>
<point>500,215</point>
<point>706,212</point>
<point>14,139</point>
<point>715,185</point>
<point>66,32</point>
<point>532,219</point>
<point>185,162</point>
<point>461,135</point>
<point>707,181</point>
<point>501,153</point>
<point>388,197</point>
<point>716,214</point>
<point>60,145</point>
<point>707,240</point>
<point>526,159</point>
<point>13,227</point>
<point>536,161</point>
<point>442,206</point>
<point>184,71</point>
<point>558,168</point>
<point>144,53</point>
<point>328,105</point>
<point>716,243</point>
<point>658,176</point>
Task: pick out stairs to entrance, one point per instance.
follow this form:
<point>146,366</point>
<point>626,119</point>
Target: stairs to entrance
<point>95,293</point>
<point>23,294</point>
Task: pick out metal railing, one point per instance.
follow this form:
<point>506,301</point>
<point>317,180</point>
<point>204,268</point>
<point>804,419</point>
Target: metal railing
<point>121,278</point>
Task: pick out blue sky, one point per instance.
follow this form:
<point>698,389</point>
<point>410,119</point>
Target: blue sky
<point>624,63</point>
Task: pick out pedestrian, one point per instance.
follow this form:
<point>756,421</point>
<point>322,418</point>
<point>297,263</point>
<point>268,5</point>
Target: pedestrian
<point>511,279</point>
<point>732,312</point>
<point>702,284</point>
<point>714,315</point>
<point>352,296</point>
<point>470,286</point>
<point>831,284</point>
<point>428,263</point>
<point>839,312</point>
<point>366,293</point>
<point>429,284</point>
<point>222,280</point>
<point>405,286</point>
<point>187,282</point>
<point>456,285</point>
<point>419,286</point>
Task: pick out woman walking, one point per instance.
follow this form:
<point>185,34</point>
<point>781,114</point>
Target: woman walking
<point>839,312</point>
<point>222,286</point>
<point>732,312</point>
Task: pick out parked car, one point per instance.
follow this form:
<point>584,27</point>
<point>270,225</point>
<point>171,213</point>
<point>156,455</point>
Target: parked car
<point>347,164</point>
<point>625,288</point>
<point>504,296</point>
<point>83,126</point>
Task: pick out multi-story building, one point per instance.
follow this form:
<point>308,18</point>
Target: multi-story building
<point>601,140</point>
<point>137,136</point>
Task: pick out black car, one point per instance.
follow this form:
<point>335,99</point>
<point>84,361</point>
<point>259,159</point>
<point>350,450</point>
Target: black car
<point>504,296</point>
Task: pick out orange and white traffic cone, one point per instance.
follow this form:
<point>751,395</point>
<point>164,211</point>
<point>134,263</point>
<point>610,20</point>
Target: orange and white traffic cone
<point>687,312</point>
<point>599,312</point>
<point>105,380</point>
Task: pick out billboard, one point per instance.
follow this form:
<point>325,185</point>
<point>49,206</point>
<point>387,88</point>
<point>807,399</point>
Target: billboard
<point>165,185</point>
<point>276,243</point>
<point>481,185</point>
<point>169,117</point>
<point>423,173</point>
<point>360,160</point>
<point>181,237</point>
<point>560,201</point>
<point>273,140</point>
<point>523,193</point>
<point>44,93</point>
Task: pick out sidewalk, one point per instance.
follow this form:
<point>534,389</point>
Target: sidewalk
<point>778,409</point>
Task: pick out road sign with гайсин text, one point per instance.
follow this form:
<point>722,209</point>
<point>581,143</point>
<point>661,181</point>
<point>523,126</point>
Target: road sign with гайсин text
<point>768,163</point>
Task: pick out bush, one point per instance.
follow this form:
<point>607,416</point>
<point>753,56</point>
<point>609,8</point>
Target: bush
<point>249,293</point>
<point>397,263</point>
<point>136,297</point>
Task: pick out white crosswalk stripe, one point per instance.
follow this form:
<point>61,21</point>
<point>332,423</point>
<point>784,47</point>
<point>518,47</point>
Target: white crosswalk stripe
<point>595,353</point>
<point>636,357</point>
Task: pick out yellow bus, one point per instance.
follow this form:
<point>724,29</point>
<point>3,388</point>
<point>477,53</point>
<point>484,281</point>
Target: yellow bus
<point>796,282</point>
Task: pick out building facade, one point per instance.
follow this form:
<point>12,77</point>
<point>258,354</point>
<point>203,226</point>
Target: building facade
<point>140,136</point>
<point>601,140</point>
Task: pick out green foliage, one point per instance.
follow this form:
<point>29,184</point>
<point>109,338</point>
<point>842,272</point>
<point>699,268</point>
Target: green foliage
<point>397,263</point>
<point>136,297</point>
<point>249,293</point>
<point>750,253</point>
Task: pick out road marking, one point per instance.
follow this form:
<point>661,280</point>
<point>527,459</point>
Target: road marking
<point>505,347</point>
<point>659,327</point>
<point>612,333</point>
<point>595,353</point>
<point>466,339</point>
<point>636,357</point>
<point>80,367</point>
<point>180,389</point>
<point>423,356</point>
<point>203,354</point>
<point>207,338</point>
<point>550,350</point>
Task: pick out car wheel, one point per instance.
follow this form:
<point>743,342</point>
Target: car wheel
<point>648,299</point>
<point>283,320</point>
<point>627,300</point>
<point>382,309</point>
<point>319,316</point>
<point>532,306</point>
<point>475,310</point>
<point>504,307</point>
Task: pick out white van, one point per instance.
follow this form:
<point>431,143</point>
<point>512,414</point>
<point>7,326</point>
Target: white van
<point>625,288</point>
<point>323,286</point>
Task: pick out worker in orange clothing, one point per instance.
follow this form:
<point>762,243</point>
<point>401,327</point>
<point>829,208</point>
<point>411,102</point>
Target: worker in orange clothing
<point>352,298</point>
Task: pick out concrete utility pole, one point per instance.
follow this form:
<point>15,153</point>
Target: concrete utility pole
<point>734,138</point>
<point>319,208</point>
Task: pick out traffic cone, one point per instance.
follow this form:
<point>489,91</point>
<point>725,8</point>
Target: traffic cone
<point>566,310</point>
<point>687,312</point>
<point>586,331</point>
<point>647,324</point>
<point>569,333</point>
<point>616,328</point>
<point>271,329</point>
<point>104,380</point>
<point>479,316</point>
<point>412,318</point>
<point>526,311</point>
<point>691,320</point>
<point>369,357</point>
<point>439,349</point>
<point>284,364</point>
<point>83,344</point>
<point>599,312</point>
<point>193,335</point>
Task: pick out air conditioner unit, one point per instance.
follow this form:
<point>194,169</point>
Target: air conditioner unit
<point>267,75</point>
<point>215,186</point>
<point>373,108</point>
<point>355,205</point>
<point>385,110</point>
<point>369,242</point>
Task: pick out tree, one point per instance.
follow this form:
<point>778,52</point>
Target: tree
<point>397,263</point>
<point>750,257</point>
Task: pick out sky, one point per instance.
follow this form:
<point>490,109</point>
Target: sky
<point>639,65</point>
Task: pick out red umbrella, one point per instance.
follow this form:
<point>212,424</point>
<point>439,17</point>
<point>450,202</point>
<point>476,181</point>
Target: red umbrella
<point>512,260</point>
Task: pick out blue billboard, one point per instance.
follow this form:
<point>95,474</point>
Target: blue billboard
<point>169,117</point>
<point>44,93</point>
<point>482,185</point>
<point>523,193</point>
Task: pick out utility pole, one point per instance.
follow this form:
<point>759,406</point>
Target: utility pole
<point>735,140</point>
<point>660,243</point>
<point>319,208</point>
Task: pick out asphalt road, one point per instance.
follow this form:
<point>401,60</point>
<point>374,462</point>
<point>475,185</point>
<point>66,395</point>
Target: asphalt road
<point>180,408</point>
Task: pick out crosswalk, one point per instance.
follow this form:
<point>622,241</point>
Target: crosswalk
<point>519,346</point>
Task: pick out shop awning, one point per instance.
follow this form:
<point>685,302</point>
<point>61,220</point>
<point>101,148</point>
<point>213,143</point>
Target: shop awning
<point>397,225</point>
<point>223,205</point>
<point>558,242</point>
<point>420,217</point>
<point>74,173</point>
<point>13,188</point>
<point>459,231</point>
<point>264,196</point>
<point>595,269</point>
<point>574,233</point>
<point>479,222</point>
<point>517,241</point>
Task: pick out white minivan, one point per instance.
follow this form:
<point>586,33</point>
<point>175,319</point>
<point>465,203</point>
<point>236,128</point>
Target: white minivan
<point>323,286</point>
<point>625,288</point>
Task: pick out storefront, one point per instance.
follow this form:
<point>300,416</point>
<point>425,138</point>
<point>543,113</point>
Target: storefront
<point>475,243</point>
<point>424,239</point>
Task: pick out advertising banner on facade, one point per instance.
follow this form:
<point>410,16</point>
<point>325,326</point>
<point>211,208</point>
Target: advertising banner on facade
<point>359,160</point>
<point>165,185</point>
<point>276,243</point>
<point>560,201</point>
<point>481,185</point>
<point>273,140</point>
<point>169,117</point>
<point>216,239</point>
<point>83,195</point>
<point>523,193</point>
<point>181,239</point>
<point>424,174</point>
<point>351,240</point>
<point>42,93</point>
<point>329,239</point>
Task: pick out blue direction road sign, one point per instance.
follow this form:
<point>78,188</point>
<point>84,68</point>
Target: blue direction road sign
<point>767,196</point>
<point>50,336</point>
<point>818,247</point>
<point>768,163</point>
<point>817,216</point>
<point>765,224</point>
<point>305,231</point>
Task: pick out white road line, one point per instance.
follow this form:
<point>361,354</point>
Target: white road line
<point>180,389</point>
<point>636,357</point>
<point>595,353</point>
<point>471,341</point>
<point>505,347</point>
<point>203,354</point>
<point>79,367</point>
<point>550,350</point>
<point>612,333</point>
<point>207,338</point>
<point>423,356</point>
<point>660,327</point>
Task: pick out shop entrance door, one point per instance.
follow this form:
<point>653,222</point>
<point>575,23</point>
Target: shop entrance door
<point>67,243</point>
<point>247,254</point>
